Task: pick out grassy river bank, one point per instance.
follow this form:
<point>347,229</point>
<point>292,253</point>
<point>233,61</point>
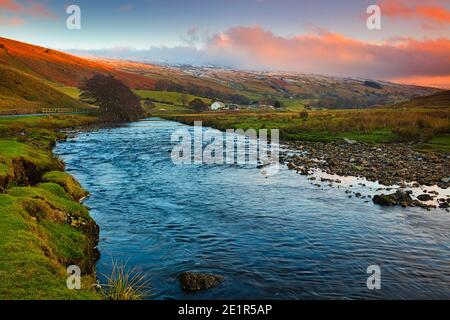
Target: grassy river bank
<point>43,227</point>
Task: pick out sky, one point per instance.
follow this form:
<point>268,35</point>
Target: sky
<point>310,36</point>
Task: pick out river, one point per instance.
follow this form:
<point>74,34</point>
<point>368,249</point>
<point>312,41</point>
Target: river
<point>280,237</point>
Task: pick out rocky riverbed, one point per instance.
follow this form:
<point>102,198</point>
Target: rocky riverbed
<point>396,165</point>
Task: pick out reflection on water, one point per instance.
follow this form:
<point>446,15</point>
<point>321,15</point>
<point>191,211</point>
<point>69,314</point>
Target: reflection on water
<point>280,237</point>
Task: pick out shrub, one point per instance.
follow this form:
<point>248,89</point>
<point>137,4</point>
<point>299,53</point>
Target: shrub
<point>198,105</point>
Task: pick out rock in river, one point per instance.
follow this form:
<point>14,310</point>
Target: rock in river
<point>398,198</point>
<point>401,198</point>
<point>425,197</point>
<point>191,281</point>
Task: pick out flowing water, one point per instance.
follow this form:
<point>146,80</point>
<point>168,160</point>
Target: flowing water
<point>280,237</point>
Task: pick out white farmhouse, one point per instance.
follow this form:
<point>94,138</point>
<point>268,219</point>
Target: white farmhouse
<point>217,106</point>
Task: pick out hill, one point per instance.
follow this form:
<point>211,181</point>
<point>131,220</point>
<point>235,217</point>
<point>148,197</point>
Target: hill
<point>61,68</point>
<point>23,93</point>
<point>293,90</point>
<point>437,100</point>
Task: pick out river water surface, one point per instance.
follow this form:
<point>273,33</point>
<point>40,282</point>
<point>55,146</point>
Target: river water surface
<point>271,238</point>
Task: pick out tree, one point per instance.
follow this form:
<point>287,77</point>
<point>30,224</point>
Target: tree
<point>149,104</point>
<point>277,104</point>
<point>304,115</point>
<point>198,105</point>
<point>184,100</point>
<point>116,101</point>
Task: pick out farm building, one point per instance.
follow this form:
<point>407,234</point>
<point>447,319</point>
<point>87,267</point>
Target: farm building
<point>217,106</point>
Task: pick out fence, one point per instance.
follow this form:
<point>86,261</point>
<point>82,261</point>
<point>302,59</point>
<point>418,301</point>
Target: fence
<point>58,110</point>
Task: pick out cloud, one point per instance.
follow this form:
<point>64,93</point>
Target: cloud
<point>12,21</point>
<point>31,8</point>
<point>433,13</point>
<point>438,82</point>
<point>181,54</point>
<point>330,53</point>
<point>10,5</point>
<point>318,52</point>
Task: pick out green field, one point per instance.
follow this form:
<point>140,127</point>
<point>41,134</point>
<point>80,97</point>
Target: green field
<point>70,91</point>
<point>168,98</point>
<point>428,129</point>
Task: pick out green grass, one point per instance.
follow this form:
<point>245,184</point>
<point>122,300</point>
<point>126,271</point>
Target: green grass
<point>31,255</point>
<point>54,195</point>
<point>72,92</point>
<point>10,147</point>
<point>377,136</point>
<point>12,125</point>
<point>13,150</point>
<point>428,128</point>
<point>43,227</point>
<point>4,169</point>
<point>440,143</point>
<point>65,180</point>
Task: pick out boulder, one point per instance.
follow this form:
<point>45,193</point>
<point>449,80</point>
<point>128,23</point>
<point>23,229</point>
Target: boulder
<point>425,197</point>
<point>397,198</point>
<point>444,205</point>
<point>192,281</point>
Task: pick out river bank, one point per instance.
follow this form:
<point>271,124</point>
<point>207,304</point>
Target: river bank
<point>43,226</point>
<point>396,166</point>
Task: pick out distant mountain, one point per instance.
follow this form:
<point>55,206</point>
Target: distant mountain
<point>293,89</point>
<point>32,77</point>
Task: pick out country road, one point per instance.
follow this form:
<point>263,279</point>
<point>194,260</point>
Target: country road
<point>38,114</point>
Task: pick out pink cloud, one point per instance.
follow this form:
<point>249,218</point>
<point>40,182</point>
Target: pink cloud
<point>330,53</point>
<point>14,21</point>
<point>431,13</point>
<point>10,5</point>
<point>31,8</point>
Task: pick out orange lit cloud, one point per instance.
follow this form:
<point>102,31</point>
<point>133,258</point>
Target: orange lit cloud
<point>437,82</point>
<point>334,54</point>
<point>433,12</point>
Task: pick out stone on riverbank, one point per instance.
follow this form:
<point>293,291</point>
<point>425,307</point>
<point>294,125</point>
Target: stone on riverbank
<point>393,164</point>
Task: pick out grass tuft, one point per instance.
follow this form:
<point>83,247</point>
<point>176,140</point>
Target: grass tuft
<point>125,284</point>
